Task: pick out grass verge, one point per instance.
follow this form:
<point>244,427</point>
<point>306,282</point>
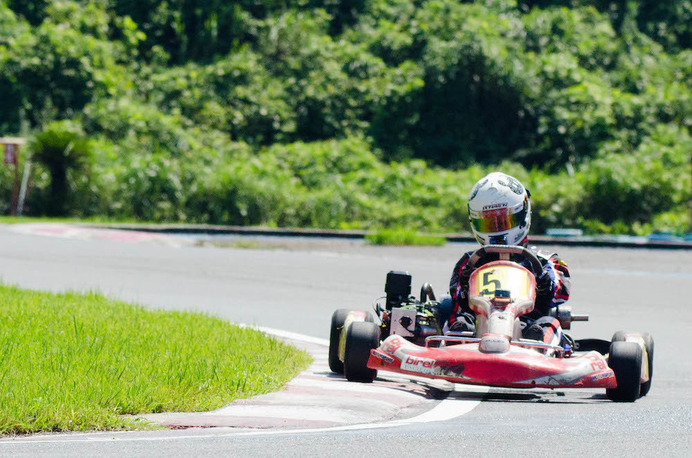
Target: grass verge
<point>73,362</point>
<point>402,236</point>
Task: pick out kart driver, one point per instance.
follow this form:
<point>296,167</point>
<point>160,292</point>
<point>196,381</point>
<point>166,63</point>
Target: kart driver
<point>500,214</point>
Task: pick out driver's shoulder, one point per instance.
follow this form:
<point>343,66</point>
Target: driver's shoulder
<point>466,256</point>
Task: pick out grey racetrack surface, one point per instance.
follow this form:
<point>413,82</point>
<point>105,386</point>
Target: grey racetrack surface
<point>296,285</point>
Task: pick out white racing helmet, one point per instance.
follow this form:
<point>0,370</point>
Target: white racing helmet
<point>500,210</point>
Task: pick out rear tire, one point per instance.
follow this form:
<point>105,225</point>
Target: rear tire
<point>625,358</point>
<point>649,344</point>
<point>361,337</point>
<point>338,318</point>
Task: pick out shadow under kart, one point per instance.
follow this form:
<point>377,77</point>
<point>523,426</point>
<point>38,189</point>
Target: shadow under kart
<point>408,339</point>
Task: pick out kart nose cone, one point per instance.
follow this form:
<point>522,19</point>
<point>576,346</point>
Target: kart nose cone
<point>494,343</point>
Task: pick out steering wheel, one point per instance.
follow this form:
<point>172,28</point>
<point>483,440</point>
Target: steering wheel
<point>520,251</point>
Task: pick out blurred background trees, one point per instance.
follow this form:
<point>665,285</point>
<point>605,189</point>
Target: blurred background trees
<point>194,108</point>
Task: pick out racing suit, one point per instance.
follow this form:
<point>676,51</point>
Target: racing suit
<point>552,288</point>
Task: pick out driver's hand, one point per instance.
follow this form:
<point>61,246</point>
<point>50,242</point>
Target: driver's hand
<point>544,284</point>
<point>466,272</point>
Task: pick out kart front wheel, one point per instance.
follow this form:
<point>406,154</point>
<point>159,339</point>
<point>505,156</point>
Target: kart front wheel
<point>625,358</point>
<point>649,345</point>
<point>361,337</point>
<point>621,336</point>
<point>338,319</point>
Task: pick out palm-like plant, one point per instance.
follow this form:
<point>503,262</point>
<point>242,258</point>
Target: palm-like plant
<point>61,146</point>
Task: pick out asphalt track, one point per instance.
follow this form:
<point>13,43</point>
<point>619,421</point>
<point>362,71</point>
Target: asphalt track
<point>295,285</point>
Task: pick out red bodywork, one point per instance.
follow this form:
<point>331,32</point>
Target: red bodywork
<point>518,368</point>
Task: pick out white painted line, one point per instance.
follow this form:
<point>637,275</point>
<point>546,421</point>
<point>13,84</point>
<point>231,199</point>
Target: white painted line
<point>445,410</point>
<point>286,334</point>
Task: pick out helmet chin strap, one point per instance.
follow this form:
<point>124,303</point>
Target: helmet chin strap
<point>498,240</point>
<point>502,240</point>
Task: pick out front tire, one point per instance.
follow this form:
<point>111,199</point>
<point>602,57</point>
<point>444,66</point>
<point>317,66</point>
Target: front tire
<point>625,358</point>
<point>338,319</point>
<point>649,344</point>
<point>361,337</point>
<point>621,336</point>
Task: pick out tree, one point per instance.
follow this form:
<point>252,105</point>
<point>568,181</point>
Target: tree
<point>61,147</point>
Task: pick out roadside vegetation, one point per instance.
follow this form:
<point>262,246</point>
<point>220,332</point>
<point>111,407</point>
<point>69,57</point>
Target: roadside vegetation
<point>72,362</point>
<point>350,114</point>
<point>403,236</point>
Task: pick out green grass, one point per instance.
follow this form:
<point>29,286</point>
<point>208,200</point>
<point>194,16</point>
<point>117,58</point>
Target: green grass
<point>401,236</point>
<point>4,219</point>
<point>246,244</point>
<point>72,362</point>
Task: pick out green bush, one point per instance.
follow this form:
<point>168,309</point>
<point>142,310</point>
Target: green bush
<point>633,188</point>
<point>402,236</point>
<point>342,114</point>
<point>53,70</point>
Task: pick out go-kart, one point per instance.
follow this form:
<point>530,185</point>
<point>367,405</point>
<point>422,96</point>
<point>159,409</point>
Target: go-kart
<point>407,338</point>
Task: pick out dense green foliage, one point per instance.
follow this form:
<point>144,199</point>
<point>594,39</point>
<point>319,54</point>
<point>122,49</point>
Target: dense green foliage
<point>353,113</point>
<point>403,236</point>
<point>80,362</point>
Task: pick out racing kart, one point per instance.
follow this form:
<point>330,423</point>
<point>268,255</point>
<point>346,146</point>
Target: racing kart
<point>405,336</point>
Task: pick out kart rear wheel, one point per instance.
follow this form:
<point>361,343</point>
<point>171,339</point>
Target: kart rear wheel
<point>338,318</point>
<point>361,337</point>
<point>625,358</point>
<point>649,344</point>
<point>621,336</point>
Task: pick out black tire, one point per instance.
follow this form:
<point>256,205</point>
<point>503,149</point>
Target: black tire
<point>621,336</point>
<point>649,344</point>
<point>625,358</point>
<point>338,318</point>
<point>361,337</point>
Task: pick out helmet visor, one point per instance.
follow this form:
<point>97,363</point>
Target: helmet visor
<point>497,220</point>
